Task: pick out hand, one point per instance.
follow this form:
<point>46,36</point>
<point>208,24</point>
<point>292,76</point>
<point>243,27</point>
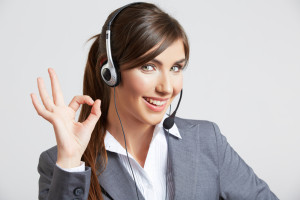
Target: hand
<point>72,137</point>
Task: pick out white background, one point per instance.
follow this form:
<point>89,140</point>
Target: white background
<point>243,74</point>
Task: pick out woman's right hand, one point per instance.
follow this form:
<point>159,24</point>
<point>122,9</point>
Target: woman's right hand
<point>72,137</point>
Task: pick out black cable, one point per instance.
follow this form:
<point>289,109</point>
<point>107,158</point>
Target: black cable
<point>167,157</point>
<point>137,194</point>
<point>106,193</point>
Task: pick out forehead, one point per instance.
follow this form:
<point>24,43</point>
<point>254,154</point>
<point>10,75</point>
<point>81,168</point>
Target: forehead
<point>173,52</point>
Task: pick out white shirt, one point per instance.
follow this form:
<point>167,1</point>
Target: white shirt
<point>150,180</point>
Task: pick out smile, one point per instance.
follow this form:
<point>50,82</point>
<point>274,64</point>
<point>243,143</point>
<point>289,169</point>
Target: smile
<point>155,104</point>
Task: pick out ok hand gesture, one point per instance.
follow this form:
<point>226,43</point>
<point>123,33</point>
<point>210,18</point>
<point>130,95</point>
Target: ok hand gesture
<point>72,137</point>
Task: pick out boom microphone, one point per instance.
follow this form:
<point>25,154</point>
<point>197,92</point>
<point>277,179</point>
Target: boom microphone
<point>169,122</point>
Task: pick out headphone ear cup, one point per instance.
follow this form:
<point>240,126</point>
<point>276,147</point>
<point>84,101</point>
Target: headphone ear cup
<point>110,75</point>
<point>105,72</point>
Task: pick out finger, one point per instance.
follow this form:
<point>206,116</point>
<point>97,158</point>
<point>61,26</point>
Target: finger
<point>39,108</point>
<point>47,101</point>
<point>56,90</point>
<point>94,115</point>
<point>78,100</point>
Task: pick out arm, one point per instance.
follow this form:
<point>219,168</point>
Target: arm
<point>238,180</point>
<point>72,138</point>
<point>55,183</point>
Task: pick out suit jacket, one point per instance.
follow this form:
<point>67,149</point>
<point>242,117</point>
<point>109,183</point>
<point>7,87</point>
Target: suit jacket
<point>204,166</point>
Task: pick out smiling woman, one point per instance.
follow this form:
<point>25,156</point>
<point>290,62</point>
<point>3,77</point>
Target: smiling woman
<point>158,82</point>
<point>140,52</point>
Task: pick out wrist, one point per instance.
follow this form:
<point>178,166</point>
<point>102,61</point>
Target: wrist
<point>67,164</point>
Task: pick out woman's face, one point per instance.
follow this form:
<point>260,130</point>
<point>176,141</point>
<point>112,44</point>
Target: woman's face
<point>146,92</point>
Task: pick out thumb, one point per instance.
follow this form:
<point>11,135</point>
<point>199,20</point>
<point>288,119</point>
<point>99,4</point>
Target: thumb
<point>94,115</point>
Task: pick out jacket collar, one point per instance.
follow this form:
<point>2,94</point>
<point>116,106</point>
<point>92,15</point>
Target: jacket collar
<point>119,185</point>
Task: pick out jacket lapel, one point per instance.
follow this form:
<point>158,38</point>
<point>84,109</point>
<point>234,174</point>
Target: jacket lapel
<point>183,162</point>
<point>116,181</point>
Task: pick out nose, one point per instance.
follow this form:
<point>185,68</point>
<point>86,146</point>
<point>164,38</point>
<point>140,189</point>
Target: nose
<point>164,84</point>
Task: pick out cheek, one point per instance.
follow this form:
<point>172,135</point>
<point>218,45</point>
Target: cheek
<point>177,85</point>
<point>137,84</point>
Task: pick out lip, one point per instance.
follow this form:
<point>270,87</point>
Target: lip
<point>155,108</point>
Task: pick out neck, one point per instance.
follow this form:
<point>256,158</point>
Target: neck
<point>138,135</point>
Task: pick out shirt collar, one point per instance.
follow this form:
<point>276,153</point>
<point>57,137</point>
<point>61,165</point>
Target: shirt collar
<point>174,130</point>
<point>111,144</point>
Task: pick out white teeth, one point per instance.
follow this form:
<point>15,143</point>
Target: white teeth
<point>156,102</point>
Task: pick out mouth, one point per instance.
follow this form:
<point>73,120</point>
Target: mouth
<point>155,104</point>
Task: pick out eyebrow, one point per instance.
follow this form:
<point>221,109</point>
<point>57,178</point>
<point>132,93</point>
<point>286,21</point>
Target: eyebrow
<point>160,63</point>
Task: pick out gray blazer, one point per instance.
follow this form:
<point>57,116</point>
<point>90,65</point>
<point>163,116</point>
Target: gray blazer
<point>204,166</point>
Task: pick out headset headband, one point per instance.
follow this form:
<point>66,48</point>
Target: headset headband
<point>110,71</point>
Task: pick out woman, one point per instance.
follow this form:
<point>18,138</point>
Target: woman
<point>129,153</point>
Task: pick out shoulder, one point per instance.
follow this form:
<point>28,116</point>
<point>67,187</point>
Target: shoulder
<point>205,133</point>
<point>202,132</point>
<point>201,136</point>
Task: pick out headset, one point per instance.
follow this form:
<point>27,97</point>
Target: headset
<point>110,73</point>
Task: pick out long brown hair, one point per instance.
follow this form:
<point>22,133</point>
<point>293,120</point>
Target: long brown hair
<point>135,31</point>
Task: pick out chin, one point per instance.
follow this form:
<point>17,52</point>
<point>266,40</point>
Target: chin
<point>154,118</point>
